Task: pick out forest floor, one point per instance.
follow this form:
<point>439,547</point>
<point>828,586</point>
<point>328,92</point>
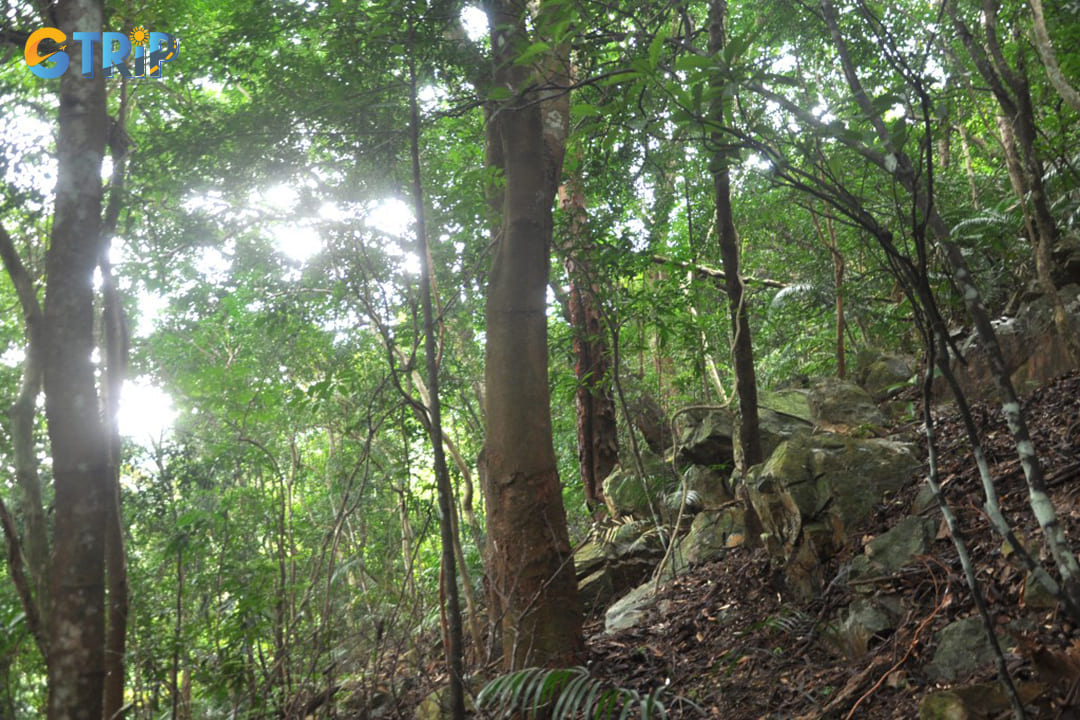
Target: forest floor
<point>722,636</point>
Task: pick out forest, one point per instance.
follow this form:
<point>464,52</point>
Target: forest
<point>357,356</point>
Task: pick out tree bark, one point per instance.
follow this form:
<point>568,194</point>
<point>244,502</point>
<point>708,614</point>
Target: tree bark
<point>83,492</point>
<point>531,568</point>
<point>597,434</point>
<point>743,351</point>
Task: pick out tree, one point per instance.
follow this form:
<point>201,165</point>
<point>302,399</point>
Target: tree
<point>83,485</point>
<point>533,589</point>
<point>597,434</point>
<point>743,352</point>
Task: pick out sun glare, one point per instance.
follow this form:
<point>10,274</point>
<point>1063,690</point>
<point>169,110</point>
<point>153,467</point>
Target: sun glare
<point>146,411</point>
<point>475,22</point>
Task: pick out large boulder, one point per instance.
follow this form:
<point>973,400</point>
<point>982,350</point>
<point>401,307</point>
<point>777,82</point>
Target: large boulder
<point>711,534</point>
<point>842,406</point>
<point>833,474</point>
<point>1031,347</point>
<point>707,487</point>
<point>864,621</point>
<point>774,427</point>
<point>616,560</point>
<point>962,648</point>
<point>884,374</point>
<point>787,401</point>
<point>627,493</point>
<point>708,439</point>
<point>892,550</point>
<point>631,609</point>
<point>814,489</point>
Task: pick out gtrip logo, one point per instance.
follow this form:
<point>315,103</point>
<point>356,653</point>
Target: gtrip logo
<point>147,50</point>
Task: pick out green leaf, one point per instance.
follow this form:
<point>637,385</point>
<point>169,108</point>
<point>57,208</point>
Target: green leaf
<point>690,62</point>
<point>531,52</point>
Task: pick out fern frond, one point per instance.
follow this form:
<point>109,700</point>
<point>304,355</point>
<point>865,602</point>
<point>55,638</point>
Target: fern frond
<point>567,693</point>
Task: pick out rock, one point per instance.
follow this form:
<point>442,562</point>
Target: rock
<point>436,706</point>
<point>709,484</point>
<point>977,701</point>
<point>896,548</point>
<point>627,494</point>
<point>788,401</point>
<point>924,500</point>
<point>711,534</point>
<point>1037,596</point>
<point>596,590</point>
<point>709,440</point>
<point>1031,348</point>
<point>631,609</point>
<point>833,474</point>
<point>1066,260</point>
<point>813,490</point>
<point>588,558</point>
<point>962,648</point>
<point>865,619</point>
<point>885,374</point>
<point>841,406</point>
<point>767,489</point>
<point>609,565</point>
<point>775,427</point>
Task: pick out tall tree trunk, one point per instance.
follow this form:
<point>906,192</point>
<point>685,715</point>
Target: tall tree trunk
<point>531,569</point>
<point>455,644</point>
<point>745,376</point>
<point>597,434</point>
<point>115,342</point>
<point>83,491</point>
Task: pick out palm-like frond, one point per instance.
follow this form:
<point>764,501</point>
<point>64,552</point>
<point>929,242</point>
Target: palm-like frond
<point>566,693</point>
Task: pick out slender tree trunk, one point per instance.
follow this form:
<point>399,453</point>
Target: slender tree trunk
<point>23,412</point>
<point>829,241</point>
<point>83,488</point>
<point>115,342</point>
<point>455,644</point>
<point>178,626</point>
<point>598,437</point>
<point>531,568</point>
<point>745,376</point>
<point>969,168</point>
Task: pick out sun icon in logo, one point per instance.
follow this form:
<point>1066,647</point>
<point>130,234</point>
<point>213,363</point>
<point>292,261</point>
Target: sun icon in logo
<point>139,36</point>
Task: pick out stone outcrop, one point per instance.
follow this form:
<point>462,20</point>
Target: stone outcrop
<point>814,489</point>
<point>1033,352</point>
<point>628,494</point>
<point>896,548</point>
<point>841,406</point>
<point>883,374</point>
